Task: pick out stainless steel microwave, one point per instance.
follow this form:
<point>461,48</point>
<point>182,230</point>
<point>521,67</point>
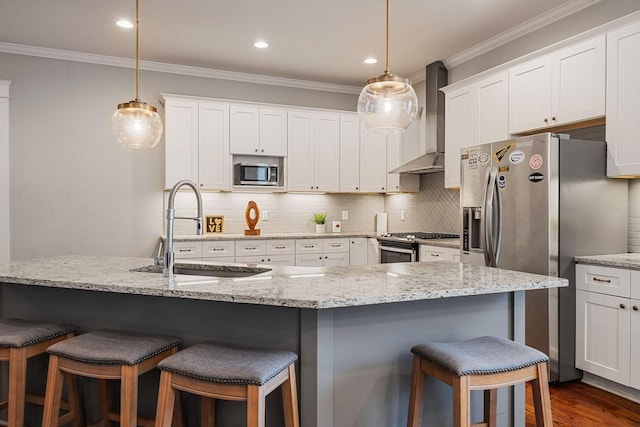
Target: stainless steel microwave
<point>255,174</point>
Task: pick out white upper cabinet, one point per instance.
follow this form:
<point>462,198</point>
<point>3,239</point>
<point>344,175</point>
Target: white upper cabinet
<point>559,88</point>
<point>349,153</point>
<point>623,101</point>
<point>258,131</point>
<point>314,149</point>
<point>197,143</point>
<point>474,114</point>
<point>399,183</point>
<point>373,161</point>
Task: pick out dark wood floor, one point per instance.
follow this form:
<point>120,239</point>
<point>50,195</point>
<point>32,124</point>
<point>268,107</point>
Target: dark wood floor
<point>575,404</point>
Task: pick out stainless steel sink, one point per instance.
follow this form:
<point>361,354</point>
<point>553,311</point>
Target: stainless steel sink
<point>208,270</point>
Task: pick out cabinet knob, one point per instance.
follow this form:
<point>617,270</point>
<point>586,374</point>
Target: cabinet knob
<point>201,185</point>
<point>623,306</point>
<point>262,151</point>
<point>269,259</point>
<point>546,120</point>
<point>256,150</point>
<point>312,187</point>
<point>317,187</point>
<point>553,119</point>
<point>357,188</point>
<point>320,257</point>
<point>635,308</point>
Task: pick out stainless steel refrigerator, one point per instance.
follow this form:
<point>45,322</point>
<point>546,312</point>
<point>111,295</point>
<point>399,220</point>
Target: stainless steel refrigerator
<point>531,204</point>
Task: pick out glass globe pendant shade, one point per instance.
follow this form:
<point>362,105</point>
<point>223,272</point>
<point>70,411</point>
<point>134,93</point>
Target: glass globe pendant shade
<point>137,124</point>
<point>387,104</point>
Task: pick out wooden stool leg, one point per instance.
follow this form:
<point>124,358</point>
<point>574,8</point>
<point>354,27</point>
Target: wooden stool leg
<point>541,397</point>
<point>178,413</point>
<point>491,407</point>
<point>166,400</point>
<point>53,394</point>
<point>461,409</point>
<point>416,396</point>
<point>207,412</point>
<point>290,399</point>
<point>17,386</point>
<point>104,401</point>
<point>255,406</point>
<point>73,396</point>
<point>129,396</point>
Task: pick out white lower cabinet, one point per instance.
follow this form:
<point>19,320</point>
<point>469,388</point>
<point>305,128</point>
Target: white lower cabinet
<point>358,251</point>
<point>322,252</point>
<point>607,323</point>
<point>438,253</point>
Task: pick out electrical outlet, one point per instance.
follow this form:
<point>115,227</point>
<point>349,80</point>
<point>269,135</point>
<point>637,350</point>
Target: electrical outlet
<point>265,215</point>
<point>403,215</point>
<point>345,215</point>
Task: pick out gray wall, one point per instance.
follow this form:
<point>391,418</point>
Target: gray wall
<point>73,188</point>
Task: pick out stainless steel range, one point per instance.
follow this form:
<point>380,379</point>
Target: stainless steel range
<point>405,247</point>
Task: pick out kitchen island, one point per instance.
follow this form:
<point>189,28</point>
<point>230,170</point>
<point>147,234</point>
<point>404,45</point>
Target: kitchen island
<point>352,326</point>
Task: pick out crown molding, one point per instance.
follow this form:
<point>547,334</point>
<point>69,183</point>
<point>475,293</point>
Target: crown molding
<point>527,27</point>
<point>174,69</point>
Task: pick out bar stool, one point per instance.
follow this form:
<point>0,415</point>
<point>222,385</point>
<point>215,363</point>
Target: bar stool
<point>21,340</point>
<point>484,363</point>
<point>217,371</point>
<point>106,355</point>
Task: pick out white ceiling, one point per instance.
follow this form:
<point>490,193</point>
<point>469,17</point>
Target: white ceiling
<point>322,41</point>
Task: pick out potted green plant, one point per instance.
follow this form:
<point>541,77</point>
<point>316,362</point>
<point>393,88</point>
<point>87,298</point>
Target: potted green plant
<point>319,218</point>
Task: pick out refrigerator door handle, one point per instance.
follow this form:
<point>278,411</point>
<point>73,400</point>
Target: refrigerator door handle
<point>488,224</point>
<point>498,228</point>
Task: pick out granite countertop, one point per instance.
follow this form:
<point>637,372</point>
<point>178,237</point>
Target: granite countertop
<point>448,243</point>
<point>627,260</point>
<point>301,287</point>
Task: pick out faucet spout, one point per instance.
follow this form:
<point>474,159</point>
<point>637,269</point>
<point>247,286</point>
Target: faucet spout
<point>168,254</point>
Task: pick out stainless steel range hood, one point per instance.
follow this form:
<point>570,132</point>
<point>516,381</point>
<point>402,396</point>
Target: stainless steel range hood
<point>436,78</point>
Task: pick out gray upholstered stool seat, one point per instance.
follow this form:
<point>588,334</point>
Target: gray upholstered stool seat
<point>107,355</point>
<point>484,363</point>
<point>20,333</point>
<point>218,371</point>
<point>483,355</point>
<point>113,347</point>
<point>21,340</point>
<point>225,364</point>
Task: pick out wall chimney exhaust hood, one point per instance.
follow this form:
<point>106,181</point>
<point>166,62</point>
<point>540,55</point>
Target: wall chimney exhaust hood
<point>436,78</point>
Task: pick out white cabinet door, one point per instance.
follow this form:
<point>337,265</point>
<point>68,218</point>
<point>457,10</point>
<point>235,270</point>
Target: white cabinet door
<point>399,183</point>
<point>492,109</point>
<point>530,95</point>
<point>460,131</point>
<point>281,259</point>
<point>326,149</point>
<point>603,335</point>
<point>623,101</point>
<point>214,159</point>
<point>373,161</point>
<point>634,380</point>
<point>349,153</point>
<point>309,260</point>
<point>562,87</point>
<point>245,129</point>
<point>300,163</point>
<point>181,141</point>
<point>578,82</point>
<point>335,259</point>
<point>273,132</point>
<point>358,251</point>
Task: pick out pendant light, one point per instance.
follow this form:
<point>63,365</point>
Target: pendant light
<point>387,103</point>
<point>137,124</point>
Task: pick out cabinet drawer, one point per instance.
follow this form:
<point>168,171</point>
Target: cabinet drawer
<point>308,246</point>
<point>281,259</point>
<point>251,259</point>
<point>281,247</point>
<point>250,247</point>
<point>309,260</point>
<point>225,248</point>
<point>438,253</point>
<point>604,280</point>
<point>186,250</point>
<point>335,245</point>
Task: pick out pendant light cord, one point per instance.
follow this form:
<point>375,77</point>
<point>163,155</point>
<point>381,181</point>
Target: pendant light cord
<point>388,13</point>
<point>137,49</point>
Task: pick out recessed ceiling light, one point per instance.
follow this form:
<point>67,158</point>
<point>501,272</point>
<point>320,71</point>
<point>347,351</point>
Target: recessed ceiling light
<point>123,23</point>
<point>370,61</point>
<point>261,45</point>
